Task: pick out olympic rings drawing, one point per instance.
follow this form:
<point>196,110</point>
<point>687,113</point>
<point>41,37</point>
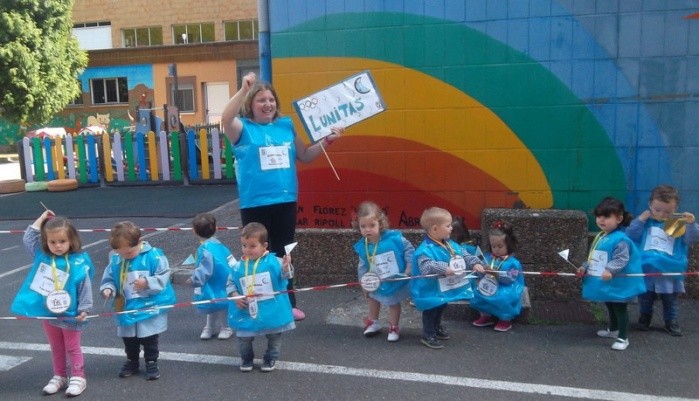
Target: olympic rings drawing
<point>308,104</point>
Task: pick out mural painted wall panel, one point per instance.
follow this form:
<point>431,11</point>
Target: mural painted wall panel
<point>544,104</point>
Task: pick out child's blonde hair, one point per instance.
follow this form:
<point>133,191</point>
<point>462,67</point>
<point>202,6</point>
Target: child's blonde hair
<point>57,223</point>
<point>371,209</point>
<point>124,232</point>
<point>433,216</point>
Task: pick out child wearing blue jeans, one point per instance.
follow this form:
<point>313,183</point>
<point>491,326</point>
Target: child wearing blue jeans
<point>663,253</point>
<point>438,255</point>
<point>265,310</point>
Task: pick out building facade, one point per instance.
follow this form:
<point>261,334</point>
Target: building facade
<point>152,55</point>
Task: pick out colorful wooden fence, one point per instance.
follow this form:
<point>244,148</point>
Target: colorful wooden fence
<point>130,159</point>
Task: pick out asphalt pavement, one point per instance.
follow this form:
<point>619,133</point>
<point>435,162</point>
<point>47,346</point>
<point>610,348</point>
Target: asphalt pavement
<point>326,356</point>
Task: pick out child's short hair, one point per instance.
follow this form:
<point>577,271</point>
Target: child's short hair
<point>254,230</point>
<point>665,193</point>
<point>124,232</point>
<point>612,206</point>
<point>459,231</point>
<point>503,228</point>
<point>371,209</point>
<point>204,225</point>
<point>433,216</point>
<point>57,223</point>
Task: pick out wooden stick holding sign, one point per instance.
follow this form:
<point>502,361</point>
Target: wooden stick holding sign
<point>345,103</point>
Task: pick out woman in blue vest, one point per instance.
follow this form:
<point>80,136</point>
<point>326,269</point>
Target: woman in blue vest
<point>613,270</point>
<point>266,147</point>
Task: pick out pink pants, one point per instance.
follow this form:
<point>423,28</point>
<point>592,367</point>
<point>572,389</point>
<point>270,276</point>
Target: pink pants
<point>65,342</point>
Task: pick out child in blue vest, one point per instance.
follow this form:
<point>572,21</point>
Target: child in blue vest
<point>613,257</point>
<point>265,309</point>
<point>58,286</point>
<point>387,254</point>
<point>663,253</point>
<point>499,291</point>
<point>138,277</point>
<point>438,256</point>
<point>210,275</point>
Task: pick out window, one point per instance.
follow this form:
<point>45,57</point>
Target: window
<point>186,97</point>
<point>149,36</point>
<point>193,33</point>
<point>109,90</point>
<point>240,30</point>
<point>91,24</point>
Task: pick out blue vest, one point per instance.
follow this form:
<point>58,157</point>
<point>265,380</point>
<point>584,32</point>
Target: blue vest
<point>30,303</point>
<point>258,187</point>
<point>426,292</point>
<point>469,248</point>
<point>506,303</point>
<point>215,286</point>
<point>618,288</point>
<point>144,261</point>
<point>273,312</point>
<point>390,241</point>
<point>655,261</point>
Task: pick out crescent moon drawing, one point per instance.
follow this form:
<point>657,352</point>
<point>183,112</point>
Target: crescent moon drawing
<point>360,87</point>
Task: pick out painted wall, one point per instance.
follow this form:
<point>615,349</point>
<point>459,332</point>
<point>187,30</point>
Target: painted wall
<point>539,104</point>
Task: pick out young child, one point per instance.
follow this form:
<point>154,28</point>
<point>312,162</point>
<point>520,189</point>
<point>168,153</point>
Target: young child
<point>461,235</point>
<point>387,254</point>
<point>499,291</point>
<point>138,277</point>
<point>612,256</point>
<point>59,285</point>
<point>210,276</point>
<point>258,276</point>
<point>662,253</point>
<point>437,254</point>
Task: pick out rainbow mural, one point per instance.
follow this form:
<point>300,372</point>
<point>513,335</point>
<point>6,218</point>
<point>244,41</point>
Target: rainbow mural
<point>489,104</point>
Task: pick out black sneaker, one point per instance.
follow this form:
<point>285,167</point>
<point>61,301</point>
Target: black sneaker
<point>432,343</point>
<point>268,365</point>
<point>246,366</point>
<point>673,328</point>
<point>129,368</point>
<point>152,371</point>
<point>442,334</point>
<point>643,322</point>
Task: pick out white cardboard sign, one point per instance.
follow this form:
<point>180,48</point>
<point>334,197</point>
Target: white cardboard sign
<point>343,104</point>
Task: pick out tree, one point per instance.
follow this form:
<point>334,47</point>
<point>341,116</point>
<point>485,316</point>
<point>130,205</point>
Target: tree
<point>40,60</point>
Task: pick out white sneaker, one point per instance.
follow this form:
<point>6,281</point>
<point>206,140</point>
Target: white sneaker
<point>207,333</point>
<point>76,386</point>
<point>56,384</point>
<point>608,334</point>
<point>225,333</point>
<point>371,327</point>
<point>393,333</point>
<point>620,344</point>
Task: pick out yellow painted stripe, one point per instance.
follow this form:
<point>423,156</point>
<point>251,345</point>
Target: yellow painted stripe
<point>425,110</point>
<point>204,153</point>
<point>107,147</point>
<point>153,157</point>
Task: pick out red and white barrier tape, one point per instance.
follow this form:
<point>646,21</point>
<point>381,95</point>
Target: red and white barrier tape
<point>317,288</point>
<point>106,230</point>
